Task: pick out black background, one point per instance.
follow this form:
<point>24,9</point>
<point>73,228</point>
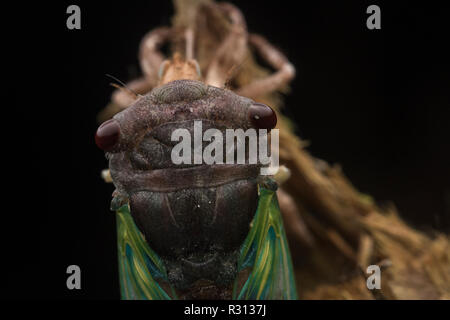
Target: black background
<point>374,101</point>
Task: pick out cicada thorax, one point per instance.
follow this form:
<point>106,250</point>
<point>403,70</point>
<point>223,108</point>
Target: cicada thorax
<point>195,216</point>
<point>197,231</point>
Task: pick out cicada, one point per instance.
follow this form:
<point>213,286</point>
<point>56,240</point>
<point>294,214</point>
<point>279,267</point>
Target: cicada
<point>193,231</point>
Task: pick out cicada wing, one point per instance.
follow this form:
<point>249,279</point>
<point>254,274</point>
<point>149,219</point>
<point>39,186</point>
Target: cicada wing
<point>266,252</point>
<point>139,266</point>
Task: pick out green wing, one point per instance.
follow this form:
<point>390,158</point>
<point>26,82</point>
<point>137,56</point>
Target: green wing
<point>139,266</point>
<point>265,251</point>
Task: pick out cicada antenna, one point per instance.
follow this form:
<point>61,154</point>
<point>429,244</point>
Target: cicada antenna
<point>123,85</point>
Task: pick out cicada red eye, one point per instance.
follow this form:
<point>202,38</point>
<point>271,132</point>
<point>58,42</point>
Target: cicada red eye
<point>262,116</point>
<point>107,135</point>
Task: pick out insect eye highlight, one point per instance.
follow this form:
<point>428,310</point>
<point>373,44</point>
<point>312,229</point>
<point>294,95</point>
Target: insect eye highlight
<point>107,135</point>
<point>262,116</point>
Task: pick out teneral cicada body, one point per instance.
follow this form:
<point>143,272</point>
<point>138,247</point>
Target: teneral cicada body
<point>185,229</point>
<point>197,217</point>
